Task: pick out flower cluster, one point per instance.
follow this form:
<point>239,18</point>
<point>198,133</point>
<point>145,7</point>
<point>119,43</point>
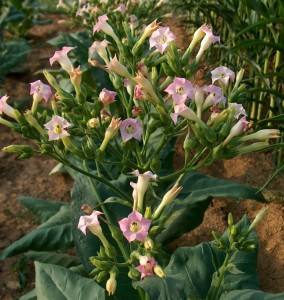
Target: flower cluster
<point>155,94</point>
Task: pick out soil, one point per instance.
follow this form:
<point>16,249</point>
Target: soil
<point>31,178</point>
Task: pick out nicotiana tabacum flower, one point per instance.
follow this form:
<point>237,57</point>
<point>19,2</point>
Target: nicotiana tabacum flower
<point>131,128</point>
<point>223,74</point>
<point>62,58</point>
<point>89,221</point>
<point>107,96</point>
<point>237,129</point>
<point>56,128</point>
<point>161,39</point>
<point>142,186</point>
<point>103,25</point>
<point>100,48</point>
<point>39,91</point>
<point>6,108</point>
<point>181,89</point>
<point>146,267</point>
<point>135,227</point>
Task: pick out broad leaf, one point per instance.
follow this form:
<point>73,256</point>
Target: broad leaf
<point>190,271</point>
<point>54,234</point>
<point>55,282</point>
<point>251,295</point>
<point>188,210</point>
<point>63,260</point>
<point>29,296</point>
<point>43,209</point>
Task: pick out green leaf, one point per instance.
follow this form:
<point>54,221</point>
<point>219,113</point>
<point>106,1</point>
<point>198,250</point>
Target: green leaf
<point>54,234</point>
<point>63,260</point>
<point>190,271</point>
<point>251,295</point>
<point>29,296</point>
<point>192,202</point>
<point>43,209</point>
<point>55,282</point>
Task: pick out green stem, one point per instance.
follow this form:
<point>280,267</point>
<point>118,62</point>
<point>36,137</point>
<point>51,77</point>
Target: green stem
<point>156,152</point>
<point>220,277</point>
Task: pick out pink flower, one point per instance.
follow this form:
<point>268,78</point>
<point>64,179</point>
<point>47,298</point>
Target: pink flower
<point>131,128</point>
<point>207,40</point>
<point>161,38</point>
<point>107,96</point>
<point>6,108</point>
<point>237,129</point>
<point>135,227</point>
<point>121,7</point>
<point>100,47</point>
<point>180,89</point>
<point>223,74</point>
<point>63,59</point>
<point>102,25</point>
<point>115,66</point>
<point>215,96</point>
<point>139,93</point>
<point>238,108</point>
<point>146,266</point>
<point>43,90</point>
<point>184,111</point>
<point>56,128</point>
<point>89,221</point>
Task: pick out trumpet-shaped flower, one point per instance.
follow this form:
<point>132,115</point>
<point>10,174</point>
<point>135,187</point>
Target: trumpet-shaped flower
<point>263,134</point>
<point>56,128</point>
<point>107,96</point>
<point>38,89</point>
<point>62,58</point>
<point>88,221</point>
<point>121,7</point>
<point>146,267</point>
<point>184,111</point>
<point>111,132</point>
<point>237,129</point>
<point>142,185</point>
<point>207,41</point>
<point>215,96</point>
<point>161,38</point>
<point>103,25</point>
<point>238,108</point>
<point>139,93</point>
<point>6,108</point>
<point>223,74</point>
<point>135,227</point>
<point>181,89</point>
<point>100,48</point>
<point>115,66</point>
<point>131,128</point>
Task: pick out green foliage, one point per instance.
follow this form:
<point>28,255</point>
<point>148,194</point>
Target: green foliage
<point>55,282</point>
<point>12,53</point>
<point>54,234</point>
<point>195,198</point>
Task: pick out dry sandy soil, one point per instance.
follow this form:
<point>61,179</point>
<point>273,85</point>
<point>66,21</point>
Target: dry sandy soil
<point>31,178</point>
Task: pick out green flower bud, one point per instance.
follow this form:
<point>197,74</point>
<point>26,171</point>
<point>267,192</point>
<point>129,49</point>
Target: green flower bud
<point>102,276</point>
<point>168,70</point>
<point>102,265</point>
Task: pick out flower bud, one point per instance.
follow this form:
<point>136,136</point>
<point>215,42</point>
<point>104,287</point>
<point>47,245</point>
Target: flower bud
<point>102,265</point>
<point>111,284</point>
<point>93,123</point>
<point>148,243</point>
<point>159,271</point>
<point>110,132</point>
<point>259,217</point>
<point>87,209</point>
<point>263,134</point>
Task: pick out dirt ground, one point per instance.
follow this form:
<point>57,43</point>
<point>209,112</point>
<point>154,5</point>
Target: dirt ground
<point>31,178</point>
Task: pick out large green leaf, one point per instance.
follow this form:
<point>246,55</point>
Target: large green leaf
<point>63,260</point>
<point>29,296</point>
<point>190,271</point>
<point>251,295</point>
<point>189,208</point>
<point>54,234</point>
<point>43,209</point>
<point>55,282</point>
